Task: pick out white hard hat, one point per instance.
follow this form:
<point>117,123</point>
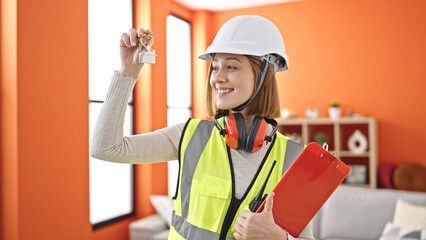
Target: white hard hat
<point>250,35</point>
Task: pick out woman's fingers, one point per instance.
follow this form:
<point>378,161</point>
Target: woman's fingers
<point>149,32</point>
<point>133,38</point>
<point>140,32</point>
<point>125,40</point>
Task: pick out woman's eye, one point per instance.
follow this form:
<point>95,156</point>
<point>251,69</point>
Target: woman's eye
<point>229,67</point>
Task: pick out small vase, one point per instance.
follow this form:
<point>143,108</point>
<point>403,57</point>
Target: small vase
<point>357,142</point>
<point>334,113</point>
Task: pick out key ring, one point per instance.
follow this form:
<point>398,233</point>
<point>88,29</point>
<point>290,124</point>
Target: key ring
<point>146,56</point>
<point>150,40</point>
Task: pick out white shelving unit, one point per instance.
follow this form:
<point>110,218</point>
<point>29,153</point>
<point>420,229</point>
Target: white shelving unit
<point>340,129</point>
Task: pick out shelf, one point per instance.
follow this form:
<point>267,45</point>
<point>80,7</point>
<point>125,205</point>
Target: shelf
<point>299,121</point>
<point>356,185</point>
<point>338,132</point>
<point>351,154</point>
<point>320,121</point>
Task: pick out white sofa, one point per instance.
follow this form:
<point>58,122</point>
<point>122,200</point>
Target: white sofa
<point>360,213</point>
<point>350,213</point>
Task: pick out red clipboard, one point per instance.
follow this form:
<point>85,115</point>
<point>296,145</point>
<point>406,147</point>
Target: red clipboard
<point>305,187</point>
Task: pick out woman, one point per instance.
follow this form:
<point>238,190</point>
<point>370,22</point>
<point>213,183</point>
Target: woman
<point>223,162</point>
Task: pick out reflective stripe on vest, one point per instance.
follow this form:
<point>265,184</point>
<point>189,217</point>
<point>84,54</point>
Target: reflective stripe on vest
<point>206,188</point>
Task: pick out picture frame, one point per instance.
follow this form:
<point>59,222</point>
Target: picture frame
<point>357,174</point>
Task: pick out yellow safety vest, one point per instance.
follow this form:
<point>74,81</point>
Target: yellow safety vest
<point>205,206</point>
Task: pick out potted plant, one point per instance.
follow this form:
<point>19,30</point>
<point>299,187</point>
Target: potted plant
<point>334,110</point>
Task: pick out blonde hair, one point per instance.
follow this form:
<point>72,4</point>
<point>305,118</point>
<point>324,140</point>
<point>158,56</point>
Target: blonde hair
<point>265,104</point>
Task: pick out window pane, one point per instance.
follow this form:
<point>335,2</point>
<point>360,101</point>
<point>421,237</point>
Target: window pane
<point>173,170</point>
<point>179,89</point>
<point>108,20</point>
<point>178,63</point>
<point>177,115</point>
<point>111,184</point>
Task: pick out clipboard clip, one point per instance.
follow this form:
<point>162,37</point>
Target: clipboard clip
<point>325,146</point>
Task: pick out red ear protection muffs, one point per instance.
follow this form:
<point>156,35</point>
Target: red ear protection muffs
<point>235,132</point>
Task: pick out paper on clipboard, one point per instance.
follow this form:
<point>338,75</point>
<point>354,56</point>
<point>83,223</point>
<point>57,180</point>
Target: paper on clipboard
<point>305,187</point>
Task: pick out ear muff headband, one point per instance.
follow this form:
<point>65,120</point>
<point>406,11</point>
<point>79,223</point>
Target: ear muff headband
<point>235,133</point>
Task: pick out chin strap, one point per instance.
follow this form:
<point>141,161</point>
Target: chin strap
<point>265,67</point>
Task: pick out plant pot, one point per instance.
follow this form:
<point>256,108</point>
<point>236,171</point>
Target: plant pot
<point>334,113</point>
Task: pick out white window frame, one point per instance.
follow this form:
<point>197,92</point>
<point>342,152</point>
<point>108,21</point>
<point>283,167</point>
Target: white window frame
<point>111,198</point>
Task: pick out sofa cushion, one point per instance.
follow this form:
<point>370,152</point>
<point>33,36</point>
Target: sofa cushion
<point>384,175</point>
<point>409,215</point>
<point>410,176</point>
<point>361,213</point>
<point>392,232</point>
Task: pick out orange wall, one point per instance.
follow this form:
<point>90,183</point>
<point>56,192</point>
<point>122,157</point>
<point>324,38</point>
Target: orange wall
<point>44,77</point>
<point>201,34</point>
<point>44,165</point>
<point>369,55</point>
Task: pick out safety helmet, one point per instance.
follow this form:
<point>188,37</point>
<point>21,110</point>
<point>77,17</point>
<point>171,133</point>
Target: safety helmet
<point>250,35</point>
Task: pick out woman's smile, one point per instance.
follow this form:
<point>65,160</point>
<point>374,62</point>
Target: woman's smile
<point>222,92</point>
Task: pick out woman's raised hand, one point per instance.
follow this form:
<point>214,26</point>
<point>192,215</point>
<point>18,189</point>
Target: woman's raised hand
<point>130,47</point>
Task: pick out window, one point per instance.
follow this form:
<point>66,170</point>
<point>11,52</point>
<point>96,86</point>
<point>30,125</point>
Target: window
<point>111,184</point>
<point>179,87</point>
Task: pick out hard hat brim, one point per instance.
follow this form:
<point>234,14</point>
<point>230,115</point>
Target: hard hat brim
<point>208,55</point>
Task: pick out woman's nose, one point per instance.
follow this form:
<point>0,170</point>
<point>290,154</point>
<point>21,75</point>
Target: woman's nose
<point>219,76</point>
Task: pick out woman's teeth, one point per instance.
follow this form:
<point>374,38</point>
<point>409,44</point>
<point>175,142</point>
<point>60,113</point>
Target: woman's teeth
<point>224,91</point>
